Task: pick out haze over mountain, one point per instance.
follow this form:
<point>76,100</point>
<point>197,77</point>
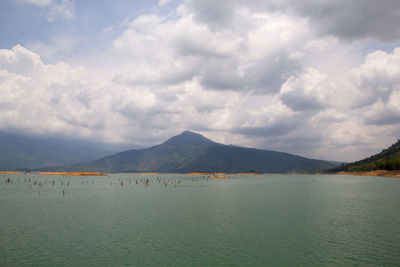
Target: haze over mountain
<point>387,159</point>
<point>192,152</point>
<point>18,152</point>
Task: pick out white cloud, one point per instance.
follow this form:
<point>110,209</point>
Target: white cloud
<point>309,92</point>
<point>44,98</point>
<point>260,60</point>
<point>20,60</point>
<point>54,9</point>
<point>41,3</point>
<point>378,77</point>
<point>64,9</point>
<point>163,2</point>
<point>385,113</point>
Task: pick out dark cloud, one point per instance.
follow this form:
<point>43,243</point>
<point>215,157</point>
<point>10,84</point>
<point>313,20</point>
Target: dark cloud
<point>265,76</point>
<point>214,13</point>
<point>196,46</point>
<point>300,145</point>
<point>300,102</point>
<point>82,122</point>
<point>272,130</point>
<point>280,126</point>
<point>348,20</point>
<point>270,73</point>
<point>353,20</point>
<point>388,116</point>
<point>168,76</point>
<point>221,75</point>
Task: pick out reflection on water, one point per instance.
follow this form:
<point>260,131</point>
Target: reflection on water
<point>178,220</point>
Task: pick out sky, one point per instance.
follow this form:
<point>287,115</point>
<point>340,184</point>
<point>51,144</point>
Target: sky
<point>319,79</point>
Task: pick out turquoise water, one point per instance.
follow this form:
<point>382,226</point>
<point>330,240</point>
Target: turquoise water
<point>281,220</point>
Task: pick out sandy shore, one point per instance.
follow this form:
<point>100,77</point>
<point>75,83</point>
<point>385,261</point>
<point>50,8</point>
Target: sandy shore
<point>145,173</point>
<point>10,172</point>
<point>383,173</point>
<point>206,173</point>
<point>74,173</point>
<point>210,174</point>
<point>248,173</point>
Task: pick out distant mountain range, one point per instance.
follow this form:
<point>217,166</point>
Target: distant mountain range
<point>21,152</point>
<point>387,159</point>
<point>192,152</point>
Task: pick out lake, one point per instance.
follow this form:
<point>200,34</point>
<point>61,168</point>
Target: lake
<point>180,220</point>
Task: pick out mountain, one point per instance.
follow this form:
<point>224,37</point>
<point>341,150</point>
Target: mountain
<point>188,138</point>
<point>21,152</point>
<point>387,159</point>
<point>192,152</point>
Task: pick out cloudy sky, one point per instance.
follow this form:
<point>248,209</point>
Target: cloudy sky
<point>316,78</point>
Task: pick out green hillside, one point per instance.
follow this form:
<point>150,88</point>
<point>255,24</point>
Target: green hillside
<point>191,152</point>
<point>241,159</point>
<point>388,159</point>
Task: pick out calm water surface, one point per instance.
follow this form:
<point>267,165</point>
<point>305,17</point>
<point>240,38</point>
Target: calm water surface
<point>281,220</point>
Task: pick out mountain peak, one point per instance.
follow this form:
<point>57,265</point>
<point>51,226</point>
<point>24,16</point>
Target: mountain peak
<point>187,132</point>
<point>188,138</point>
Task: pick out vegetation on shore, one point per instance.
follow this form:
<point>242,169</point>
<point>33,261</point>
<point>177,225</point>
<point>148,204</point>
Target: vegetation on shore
<point>388,159</point>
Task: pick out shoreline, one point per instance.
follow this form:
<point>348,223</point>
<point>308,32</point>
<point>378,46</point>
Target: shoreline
<point>381,173</point>
<point>222,174</point>
<point>73,173</point>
